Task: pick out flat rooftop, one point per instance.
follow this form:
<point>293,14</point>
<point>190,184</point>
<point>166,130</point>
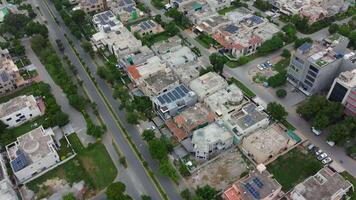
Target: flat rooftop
<point>194,117</point>
<point>267,143</point>
<point>165,46</point>
<point>247,117</point>
<point>225,100</point>
<point>348,78</point>
<point>107,21</point>
<point>257,185</point>
<point>179,56</point>
<point>208,84</point>
<point>322,185</point>
<point>188,71</point>
<point>30,148</point>
<point>16,104</point>
<point>161,80</point>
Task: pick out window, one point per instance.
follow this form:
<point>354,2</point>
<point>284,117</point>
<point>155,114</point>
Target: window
<point>8,119</point>
<point>338,93</point>
<point>313,69</point>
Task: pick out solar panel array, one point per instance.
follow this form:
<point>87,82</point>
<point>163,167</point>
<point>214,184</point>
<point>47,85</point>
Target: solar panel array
<point>258,182</point>
<point>231,29</point>
<point>252,190</point>
<point>147,25</point>
<point>256,19</point>
<point>4,76</point>
<point>20,161</point>
<point>178,92</point>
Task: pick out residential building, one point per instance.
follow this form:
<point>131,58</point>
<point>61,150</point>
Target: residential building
<point>259,184</point>
<point>125,9</point>
<point>199,16</point>
<point>106,22</point>
<point>343,90</point>
<point>207,84</point>
<point>188,71</point>
<point>92,6</point>
<point>194,117</point>
<point>212,24</point>
<point>147,27</point>
<point>137,58</point>
<point>158,82</point>
<point>326,184</point>
<point>179,57</point>
<point>20,110</point>
<point>151,66</point>
<point>170,103</point>
<point>211,140</point>
<point>171,44</point>
<point>7,82</point>
<point>217,5</point>
<point>10,77</point>
<point>314,66</point>
<point>225,101</point>
<point>32,153</point>
<point>6,190</point>
<point>266,144</point>
<point>188,7</point>
<point>6,9</point>
<point>247,120</point>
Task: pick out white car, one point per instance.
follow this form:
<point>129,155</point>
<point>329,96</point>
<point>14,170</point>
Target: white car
<point>316,131</point>
<point>330,143</point>
<point>260,67</point>
<point>322,156</point>
<point>326,160</point>
<point>310,147</point>
<point>318,152</point>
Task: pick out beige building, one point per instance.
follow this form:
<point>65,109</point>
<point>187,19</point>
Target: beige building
<point>10,77</point>
<point>147,27</point>
<point>159,82</point>
<point>92,6</point>
<point>207,84</point>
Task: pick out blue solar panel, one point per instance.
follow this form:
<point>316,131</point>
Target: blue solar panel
<point>179,90</point>
<point>258,182</point>
<point>184,89</point>
<point>166,98</point>
<point>305,47</point>
<point>171,96</point>
<point>176,94</point>
<point>256,19</point>
<point>252,190</point>
<point>151,23</point>
<point>19,162</point>
<point>160,99</point>
<point>231,29</point>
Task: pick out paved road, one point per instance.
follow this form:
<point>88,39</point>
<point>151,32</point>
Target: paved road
<point>135,178</point>
<point>76,118</point>
<point>138,182</point>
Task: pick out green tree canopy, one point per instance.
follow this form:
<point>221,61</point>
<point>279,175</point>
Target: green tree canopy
<point>78,17</point>
<point>206,192</point>
<point>148,135</point>
<point>14,24</point>
<point>69,196</point>
<point>217,61</point>
<point>276,111</point>
<point>36,28</point>
<point>158,149</point>
<point>116,191</point>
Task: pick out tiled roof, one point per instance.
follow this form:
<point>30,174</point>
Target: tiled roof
<point>132,69</point>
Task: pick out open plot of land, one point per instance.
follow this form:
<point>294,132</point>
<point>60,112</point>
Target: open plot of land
<point>293,167</point>
<point>92,164</point>
<point>221,172</point>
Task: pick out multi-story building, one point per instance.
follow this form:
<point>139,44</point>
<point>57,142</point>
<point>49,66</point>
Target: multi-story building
<point>326,184</point>
<point>314,66</point>
<point>125,9</point>
<point>343,90</point>
<point>217,5</point>
<point>188,71</point>
<point>106,22</point>
<point>171,44</point>
<point>259,184</point>
<point>92,6</point>
<point>207,84</point>
<point>179,57</point>
<point>20,110</point>
<point>211,140</point>
<point>170,103</point>
<point>158,82</point>
<point>6,190</point>
<point>147,27</point>
<point>143,70</point>
<point>32,153</point>
<point>10,77</point>
<point>212,24</point>
<point>225,101</point>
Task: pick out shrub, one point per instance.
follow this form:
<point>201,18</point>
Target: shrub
<point>281,93</point>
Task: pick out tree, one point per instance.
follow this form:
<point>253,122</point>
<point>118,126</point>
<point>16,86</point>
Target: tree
<point>171,28</point>
<point>148,135</point>
<point>290,32</point>
<point>300,41</point>
<point>14,24</point>
<point>276,111</point>
<point>36,28</point>
<point>183,170</point>
<point>166,169</point>
<point>186,195</point>
<point>333,28</point>
<point>143,104</point>
<point>88,47</point>
<point>145,197</point>
<point>320,121</point>
<point>206,192</point>
<point>69,196</point>
<point>262,5</point>
<point>2,127</point>
<point>158,18</point>
<point>217,61</point>
<point>17,48</point>
<point>277,80</point>
<point>276,42</point>
<point>158,149</point>
<point>77,101</point>
<point>116,191</point>
<point>94,130</point>
<point>78,17</point>
<point>281,93</point>
<point>286,53</point>
<point>132,118</point>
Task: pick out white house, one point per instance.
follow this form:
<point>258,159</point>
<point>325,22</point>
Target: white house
<point>6,190</point>
<point>20,110</point>
<point>32,153</point>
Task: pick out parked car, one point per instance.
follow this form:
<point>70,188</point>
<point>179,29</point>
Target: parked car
<point>316,131</point>
<point>327,160</point>
<point>318,152</point>
<point>322,156</point>
<point>60,45</point>
<point>310,147</point>
<point>330,143</point>
<point>260,67</point>
<point>167,6</point>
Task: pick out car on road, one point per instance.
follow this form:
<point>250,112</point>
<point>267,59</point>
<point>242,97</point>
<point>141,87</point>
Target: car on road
<point>316,131</point>
<point>60,45</point>
<point>311,147</point>
<point>330,143</point>
<point>327,160</point>
<point>318,152</point>
<point>322,156</point>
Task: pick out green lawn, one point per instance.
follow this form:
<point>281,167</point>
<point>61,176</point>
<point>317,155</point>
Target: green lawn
<point>226,10</point>
<point>352,179</point>
<point>65,150</point>
<point>92,164</point>
<point>293,167</point>
<point>244,88</point>
<point>149,40</point>
<point>206,41</point>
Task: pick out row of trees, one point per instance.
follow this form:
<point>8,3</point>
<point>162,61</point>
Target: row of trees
<point>201,193</point>
<point>179,18</point>
<point>347,30</point>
